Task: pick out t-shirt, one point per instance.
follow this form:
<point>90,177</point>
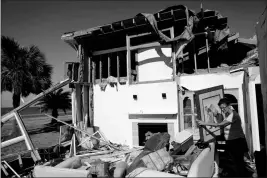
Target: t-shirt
<point>234,130</point>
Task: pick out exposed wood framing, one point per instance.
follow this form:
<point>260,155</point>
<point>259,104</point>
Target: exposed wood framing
<point>136,62</point>
<point>90,69</point>
<point>179,114</point>
<point>100,69</point>
<point>85,88</point>
<point>173,46</point>
<point>109,65</point>
<point>207,49</point>
<point>118,67</point>
<point>95,53</point>
<point>147,45</point>
<point>73,107</point>
<point>173,61</point>
<point>128,49</point>
<point>195,56</point>
<point>148,33</point>
<point>93,71</point>
<point>79,103</point>
<point>129,71</point>
<point>154,81</point>
<point>193,112</point>
<point>91,104</point>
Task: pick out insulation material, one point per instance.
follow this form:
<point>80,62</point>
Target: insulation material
<point>112,81</point>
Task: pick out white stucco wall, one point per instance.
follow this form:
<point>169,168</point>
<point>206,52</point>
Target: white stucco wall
<point>111,113</point>
<point>154,63</point>
<point>254,78</point>
<point>112,108</point>
<point>150,100</point>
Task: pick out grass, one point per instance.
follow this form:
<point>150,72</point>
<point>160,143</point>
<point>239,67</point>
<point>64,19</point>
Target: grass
<point>41,134</point>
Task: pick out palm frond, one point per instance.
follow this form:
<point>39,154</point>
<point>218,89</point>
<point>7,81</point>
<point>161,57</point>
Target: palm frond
<point>23,68</point>
<point>56,100</point>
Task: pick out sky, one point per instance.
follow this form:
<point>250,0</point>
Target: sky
<point>42,22</point>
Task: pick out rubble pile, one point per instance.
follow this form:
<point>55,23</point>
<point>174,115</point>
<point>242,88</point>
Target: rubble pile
<point>105,159</point>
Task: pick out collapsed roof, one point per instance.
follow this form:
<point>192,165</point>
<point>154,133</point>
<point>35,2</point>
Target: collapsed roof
<point>176,16</point>
<point>224,47</point>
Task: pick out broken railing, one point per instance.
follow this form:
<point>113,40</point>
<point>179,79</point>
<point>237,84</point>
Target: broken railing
<point>14,114</point>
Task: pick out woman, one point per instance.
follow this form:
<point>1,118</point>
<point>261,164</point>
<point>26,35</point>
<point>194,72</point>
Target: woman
<point>236,143</point>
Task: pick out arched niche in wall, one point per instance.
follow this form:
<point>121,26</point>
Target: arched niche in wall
<point>232,95</point>
<point>188,111</point>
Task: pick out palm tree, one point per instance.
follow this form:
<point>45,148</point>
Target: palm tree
<point>23,70</point>
<point>55,101</point>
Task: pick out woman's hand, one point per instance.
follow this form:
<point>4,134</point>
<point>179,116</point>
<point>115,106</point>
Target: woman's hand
<point>199,122</point>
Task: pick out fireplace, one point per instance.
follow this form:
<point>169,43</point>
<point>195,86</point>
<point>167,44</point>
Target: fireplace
<point>140,130</point>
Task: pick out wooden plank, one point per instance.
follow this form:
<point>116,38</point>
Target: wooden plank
<point>147,45</point>
<point>83,83</point>
<point>195,56</point>
<point>153,81</point>
<point>129,73</point>
<point>91,104</point>
<point>85,88</point>
<point>90,69</point>
<point>97,153</point>
<point>12,141</point>
<point>108,65</point>
<point>173,46</point>
<point>148,33</point>
<point>207,49</point>
<point>173,61</point>
<point>4,169</point>
<point>118,67</point>
<point>83,131</point>
<point>100,68</point>
<point>113,50</point>
<point>11,168</point>
<point>27,137</point>
<point>78,103</point>
<point>85,65</point>
<point>93,71</point>
<point>137,67</point>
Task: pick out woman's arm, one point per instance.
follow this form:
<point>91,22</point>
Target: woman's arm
<point>224,123</point>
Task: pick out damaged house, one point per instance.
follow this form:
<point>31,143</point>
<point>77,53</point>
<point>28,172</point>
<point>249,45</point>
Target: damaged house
<point>140,75</point>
